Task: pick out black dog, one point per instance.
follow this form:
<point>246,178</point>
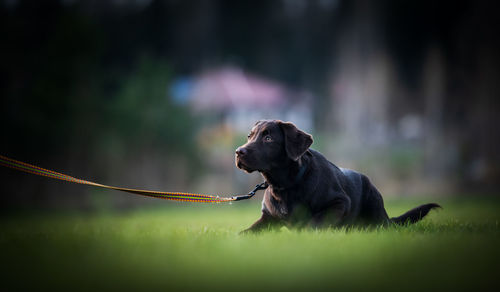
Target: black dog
<point>305,189</point>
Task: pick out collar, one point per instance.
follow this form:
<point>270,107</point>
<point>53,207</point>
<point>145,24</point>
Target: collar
<point>296,181</point>
<point>298,177</point>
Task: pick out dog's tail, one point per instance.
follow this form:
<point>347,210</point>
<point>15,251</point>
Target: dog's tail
<point>415,214</point>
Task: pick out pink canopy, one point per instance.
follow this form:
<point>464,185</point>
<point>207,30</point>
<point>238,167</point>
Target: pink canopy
<point>230,87</point>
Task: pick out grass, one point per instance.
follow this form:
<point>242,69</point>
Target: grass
<point>192,247</point>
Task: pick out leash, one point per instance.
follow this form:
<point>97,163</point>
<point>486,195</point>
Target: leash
<point>174,196</point>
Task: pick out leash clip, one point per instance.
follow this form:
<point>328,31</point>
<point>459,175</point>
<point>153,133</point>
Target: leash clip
<point>261,186</point>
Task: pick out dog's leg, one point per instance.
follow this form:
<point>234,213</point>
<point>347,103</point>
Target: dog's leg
<point>265,222</point>
<point>333,215</point>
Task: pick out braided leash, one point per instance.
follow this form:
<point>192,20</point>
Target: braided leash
<point>174,196</point>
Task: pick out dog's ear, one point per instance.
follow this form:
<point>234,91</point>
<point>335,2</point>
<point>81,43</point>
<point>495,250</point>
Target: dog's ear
<point>296,141</point>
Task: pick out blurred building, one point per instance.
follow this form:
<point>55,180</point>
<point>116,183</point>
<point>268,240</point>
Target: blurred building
<point>238,98</point>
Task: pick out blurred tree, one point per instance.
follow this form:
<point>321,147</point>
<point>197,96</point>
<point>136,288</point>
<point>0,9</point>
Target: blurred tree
<point>84,83</point>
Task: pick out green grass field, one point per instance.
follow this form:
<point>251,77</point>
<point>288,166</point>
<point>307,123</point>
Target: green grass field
<point>190,247</point>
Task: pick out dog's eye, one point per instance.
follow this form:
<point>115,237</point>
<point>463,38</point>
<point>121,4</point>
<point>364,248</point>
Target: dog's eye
<point>268,139</point>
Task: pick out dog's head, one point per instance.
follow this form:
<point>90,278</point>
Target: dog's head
<point>272,144</point>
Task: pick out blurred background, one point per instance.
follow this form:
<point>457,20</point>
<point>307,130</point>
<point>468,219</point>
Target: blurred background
<point>158,94</point>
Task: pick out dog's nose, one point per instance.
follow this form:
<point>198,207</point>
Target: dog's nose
<point>241,151</point>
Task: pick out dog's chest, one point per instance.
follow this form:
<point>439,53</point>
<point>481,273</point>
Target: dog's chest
<point>274,205</point>
<point>280,205</point>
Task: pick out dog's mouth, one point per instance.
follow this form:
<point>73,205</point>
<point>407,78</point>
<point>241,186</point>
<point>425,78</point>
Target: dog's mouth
<point>241,165</point>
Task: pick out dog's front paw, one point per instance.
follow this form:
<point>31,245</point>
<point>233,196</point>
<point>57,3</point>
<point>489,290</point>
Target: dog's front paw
<point>246,231</point>
<point>250,230</point>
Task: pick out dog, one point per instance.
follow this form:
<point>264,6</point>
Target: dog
<point>305,189</point>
